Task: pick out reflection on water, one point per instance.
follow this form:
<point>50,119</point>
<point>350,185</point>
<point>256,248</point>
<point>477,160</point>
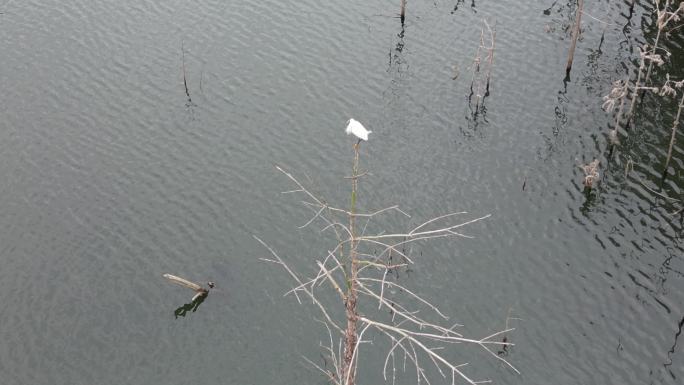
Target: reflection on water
<point>190,306</point>
<point>591,197</point>
<point>670,352</point>
<point>461,2</point>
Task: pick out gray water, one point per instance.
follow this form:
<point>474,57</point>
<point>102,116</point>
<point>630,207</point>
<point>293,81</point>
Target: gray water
<point>112,176</point>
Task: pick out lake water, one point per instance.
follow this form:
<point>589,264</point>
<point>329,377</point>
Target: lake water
<point>112,175</point>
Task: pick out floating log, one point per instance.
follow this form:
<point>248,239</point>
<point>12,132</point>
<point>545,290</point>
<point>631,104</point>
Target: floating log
<point>190,285</point>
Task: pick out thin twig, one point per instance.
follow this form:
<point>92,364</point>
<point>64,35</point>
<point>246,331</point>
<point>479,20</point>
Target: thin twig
<point>185,81</point>
<point>356,261</point>
<point>675,124</point>
<point>412,294</point>
<point>296,278</point>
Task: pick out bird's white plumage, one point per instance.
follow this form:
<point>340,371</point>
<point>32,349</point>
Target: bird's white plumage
<point>356,128</point>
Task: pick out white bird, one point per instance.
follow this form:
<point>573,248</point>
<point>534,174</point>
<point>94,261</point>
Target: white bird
<point>356,128</point>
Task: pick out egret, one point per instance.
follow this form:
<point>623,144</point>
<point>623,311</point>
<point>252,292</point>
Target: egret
<point>201,292</point>
<point>356,128</point>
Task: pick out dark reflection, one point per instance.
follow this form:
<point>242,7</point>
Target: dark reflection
<point>190,109</point>
<point>477,98</point>
<point>504,350</point>
<point>185,79</point>
<point>399,262</point>
<point>189,105</point>
<point>590,200</point>
<point>666,269</point>
<point>619,346</point>
<point>396,59</point>
<point>560,111</point>
<point>461,2</point>
<point>476,114</point>
<point>611,151</point>
<point>475,117</point>
<point>402,13</point>
<point>397,66</point>
<point>482,71</point>
<point>672,349</point>
<point>627,27</point>
<point>563,19</point>
<point>631,10</point>
<point>400,44</point>
<point>595,74</point>
<point>191,306</point>
<point>547,11</point>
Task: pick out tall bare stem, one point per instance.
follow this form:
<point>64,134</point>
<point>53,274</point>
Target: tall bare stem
<point>358,267</point>
<point>674,133</point>
<point>350,334</point>
<point>575,34</point>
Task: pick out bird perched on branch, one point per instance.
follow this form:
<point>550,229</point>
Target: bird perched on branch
<point>356,128</point>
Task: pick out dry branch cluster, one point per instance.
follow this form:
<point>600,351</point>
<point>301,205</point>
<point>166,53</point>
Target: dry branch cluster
<point>591,173</point>
<point>625,90</point>
<point>358,269</point>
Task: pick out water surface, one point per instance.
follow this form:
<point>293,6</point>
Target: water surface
<point>113,176</point>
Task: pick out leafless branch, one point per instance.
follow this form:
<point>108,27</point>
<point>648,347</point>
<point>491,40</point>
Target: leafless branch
<point>356,265</point>
<point>296,278</point>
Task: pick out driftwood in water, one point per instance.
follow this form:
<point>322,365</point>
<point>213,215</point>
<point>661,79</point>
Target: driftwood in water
<point>191,306</point>
<point>183,282</point>
<point>575,34</point>
<point>190,285</point>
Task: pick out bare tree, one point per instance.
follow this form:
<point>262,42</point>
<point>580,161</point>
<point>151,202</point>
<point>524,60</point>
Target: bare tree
<point>358,269</point>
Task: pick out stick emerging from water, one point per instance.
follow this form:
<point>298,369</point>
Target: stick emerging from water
<point>402,13</point>
<point>575,34</point>
<point>185,81</point>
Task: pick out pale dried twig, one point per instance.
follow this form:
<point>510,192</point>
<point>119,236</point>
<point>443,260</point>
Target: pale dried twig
<point>591,173</point>
<point>296,278</point>
<point>365,272</point>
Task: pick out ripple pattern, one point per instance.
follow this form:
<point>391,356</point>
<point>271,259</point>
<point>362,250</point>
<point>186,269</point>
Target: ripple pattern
<point>113,175</point>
